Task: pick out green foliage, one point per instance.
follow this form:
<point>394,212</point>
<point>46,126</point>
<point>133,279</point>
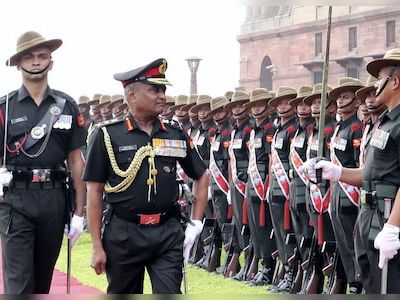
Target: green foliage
<point>199,281</point>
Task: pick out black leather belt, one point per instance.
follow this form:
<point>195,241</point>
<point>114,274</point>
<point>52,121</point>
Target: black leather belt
<point>143,219</point>
<point>39,175</point>
<point>26,185</point>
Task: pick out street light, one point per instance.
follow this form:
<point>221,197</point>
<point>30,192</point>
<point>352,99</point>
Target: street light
<point>193,63</point>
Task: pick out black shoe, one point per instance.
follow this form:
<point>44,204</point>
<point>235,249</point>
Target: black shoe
<point>241,276</point>
<point>200,263</point>
<point>263,277</point>
<point>287,283</point>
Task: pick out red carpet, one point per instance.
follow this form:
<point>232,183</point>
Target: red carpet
<point>59,284</point>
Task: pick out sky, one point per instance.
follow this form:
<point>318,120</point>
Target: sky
<point>103,37</point>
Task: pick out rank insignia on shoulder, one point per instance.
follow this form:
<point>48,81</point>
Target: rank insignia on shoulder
<point>81,121</point>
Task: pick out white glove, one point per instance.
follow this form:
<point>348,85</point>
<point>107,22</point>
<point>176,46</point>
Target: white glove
<point>387,241</point>
<point>330,171</point>
<point>191,233</point>
<point>229,197</point>
<point>308,168</point>
<point>75,229</point>
<point>209,194</point>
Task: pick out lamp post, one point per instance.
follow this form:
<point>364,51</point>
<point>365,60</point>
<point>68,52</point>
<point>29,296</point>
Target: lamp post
<point>193,63</point>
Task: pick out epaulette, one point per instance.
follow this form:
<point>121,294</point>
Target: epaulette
<point>247,130</point>
<point>212,130</point>
<point>355,127</point>
<point>291,129</point>
<point>10,95</point>
<point>328,130</point>
<point>225,132</point>
<point>268,126</point>
<point>110,122</point>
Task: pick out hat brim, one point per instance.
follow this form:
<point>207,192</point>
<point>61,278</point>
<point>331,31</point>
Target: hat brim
<point>296,101</point>
<point>111,104</point>
<point>361,94</point>
<point>157,81</point>
<point>375,66</point>
<point>187,107</point>
<point>213,111</point>
<point>251,103</point>
<point>91,102</point>
<point>333,94</point>
<point>53,45</point>
<point>228,106</point>
<point>102,104</point>
<point>197,107</point>
<point>175,107</point>
<point>274,101</point>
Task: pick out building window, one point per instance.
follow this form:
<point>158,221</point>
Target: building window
<point>390,33</point>
<point>352,38</point>
<point>318,43</point>
<point>352,72</point>
<point>317,77</point>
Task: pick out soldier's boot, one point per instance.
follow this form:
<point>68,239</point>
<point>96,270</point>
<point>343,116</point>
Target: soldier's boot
<point>253,269</point>
<point>233,266</point>
<point>202,262</point>
<point>285,286</point>
<point>215,260</point>
<point>355,287</point>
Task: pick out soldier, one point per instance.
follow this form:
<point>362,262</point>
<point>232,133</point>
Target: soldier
<point>168,112</point>
<point>361,245</point>
<point>239,161</point>
<point>299,215</point>
<point>182,115</point>
<point>194,119</point>
<point>345,151</point>
<point>84,110</point>
<point>380,179</point>
<point>279,183</point>
<point>219,161</point>
<point>138,175</point>
<point>202,142</point>
<point>105,111</point>
<point>260,223</point>
<point>94,110</point>
<point>114,105</point>
<point>318,196</point>
<point>44,129</point>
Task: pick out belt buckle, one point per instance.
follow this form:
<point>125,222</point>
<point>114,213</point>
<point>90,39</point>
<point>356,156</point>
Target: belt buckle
<point>41,175</point>
<point>149,219</point>
<point>363,197</point>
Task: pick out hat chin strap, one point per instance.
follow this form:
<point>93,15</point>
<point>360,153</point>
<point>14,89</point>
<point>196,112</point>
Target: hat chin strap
<point>259,114</point>
<point>348,104</point>
<point>37,72</point>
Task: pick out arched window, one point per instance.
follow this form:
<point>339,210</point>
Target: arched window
<point>266,73</point>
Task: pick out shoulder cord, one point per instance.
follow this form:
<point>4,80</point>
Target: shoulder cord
<point>130,173</point>
<point>44,144</point>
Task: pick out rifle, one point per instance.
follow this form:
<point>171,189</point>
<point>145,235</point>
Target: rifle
<point>228,230</point>
<point>208,240</point>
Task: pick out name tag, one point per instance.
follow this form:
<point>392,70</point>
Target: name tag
<point>379,139</point>
<point>18,120</point>
<point>257,143</point>
<point>127,148</point>
<point>63,122</point>
<point>340,144</point>
<point>237,144</point>
<point>172,148</point>
<point>278,143</point>
<point>299,142</point>
<point>200,141</point>
<point>314,145</point>
<point>215,146</point>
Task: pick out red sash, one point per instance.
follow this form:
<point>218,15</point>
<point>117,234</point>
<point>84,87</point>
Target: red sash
<point>279,170</point>
<point>216,173</point>
<point>240,185</point>
<point>260,188</point>
<point>296,160</point>
<point>352,192</point>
